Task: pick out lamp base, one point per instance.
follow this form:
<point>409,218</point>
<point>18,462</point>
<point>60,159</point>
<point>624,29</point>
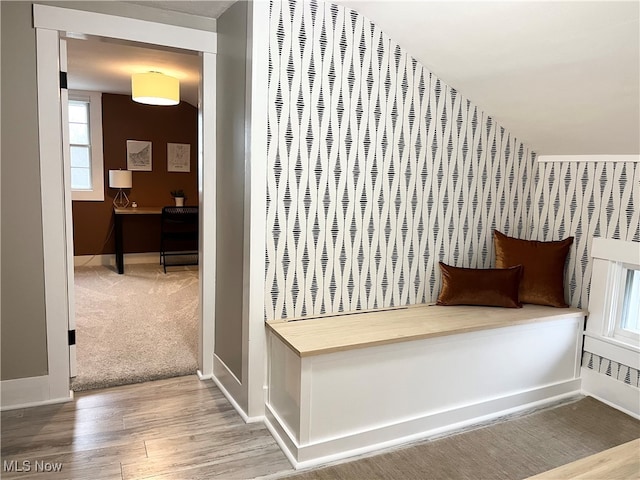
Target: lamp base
<point>121,200</point>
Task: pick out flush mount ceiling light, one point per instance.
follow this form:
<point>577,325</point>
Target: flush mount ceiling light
<point>154,88</point>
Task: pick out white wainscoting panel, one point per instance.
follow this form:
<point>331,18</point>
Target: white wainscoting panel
<point>609,390</point>
<point>334,405</point>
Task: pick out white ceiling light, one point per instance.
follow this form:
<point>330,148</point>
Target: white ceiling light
<point>154,88</point>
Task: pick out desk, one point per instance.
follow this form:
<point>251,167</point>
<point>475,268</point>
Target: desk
<point>119,212</point>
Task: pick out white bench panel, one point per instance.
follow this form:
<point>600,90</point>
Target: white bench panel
<point>369,388</point>
<point>326,402</point>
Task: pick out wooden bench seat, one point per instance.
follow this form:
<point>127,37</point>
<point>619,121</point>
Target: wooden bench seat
<point>341,385</point>
<point>334,333</point>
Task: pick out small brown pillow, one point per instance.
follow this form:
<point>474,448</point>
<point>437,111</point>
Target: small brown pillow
<point>492,287</point>
<point>543,267</point>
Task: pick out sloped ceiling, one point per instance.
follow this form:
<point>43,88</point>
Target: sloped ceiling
<point>562,76</point>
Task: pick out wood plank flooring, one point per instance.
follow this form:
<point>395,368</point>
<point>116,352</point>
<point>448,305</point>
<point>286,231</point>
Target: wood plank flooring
<point>167,429</point>
<point>617,463</point>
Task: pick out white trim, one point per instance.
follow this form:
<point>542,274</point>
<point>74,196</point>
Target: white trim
<point>615,393</point>
<point>109,259</point>
<point>28,392</point>
<point>96,194</point>
<point>203,377</point>
<point>231,388</point>
<point>207,199</point>
<point>68,224</point>
<point>90,23</point>
<point>422,428</point>
<point>276,430</point>
<point>48,22</point>
<point>607,282</point>
<point>255,195</point>
<point>616,250</point>
<point>612,349</point>
<point>588,158</point>
<point>53,212</point>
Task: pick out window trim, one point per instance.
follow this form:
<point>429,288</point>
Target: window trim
<point>620,333</point>
<point>96,194</point>
<point>611,259</point>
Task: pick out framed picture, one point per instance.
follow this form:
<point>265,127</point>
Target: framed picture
<point>178,157</point>
<point>138,155</point>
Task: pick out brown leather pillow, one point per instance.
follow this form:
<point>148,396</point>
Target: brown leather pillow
<point>542,263</point>
<point>492,287</point>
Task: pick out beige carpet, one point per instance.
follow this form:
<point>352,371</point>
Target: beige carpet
<point>514,449</point>
<point>135,327</point>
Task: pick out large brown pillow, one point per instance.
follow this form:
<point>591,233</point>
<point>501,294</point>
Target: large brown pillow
<point>493,287</point>
<point>543,267</point>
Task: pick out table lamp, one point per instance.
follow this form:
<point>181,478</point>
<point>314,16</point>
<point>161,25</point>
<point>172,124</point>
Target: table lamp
<point>120,179</point>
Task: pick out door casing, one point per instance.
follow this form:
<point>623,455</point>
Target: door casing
<point>57,237</point>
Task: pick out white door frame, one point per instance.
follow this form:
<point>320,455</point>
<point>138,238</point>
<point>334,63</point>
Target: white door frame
<point>49,22</point>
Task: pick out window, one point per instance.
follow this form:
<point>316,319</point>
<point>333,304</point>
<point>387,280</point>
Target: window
<point>85,146</point>
<point>613,325</point>
<point>80,145</point>
<point>627,318</point>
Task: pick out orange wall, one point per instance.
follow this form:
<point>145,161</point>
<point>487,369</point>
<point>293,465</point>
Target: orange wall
<point>122,120</point>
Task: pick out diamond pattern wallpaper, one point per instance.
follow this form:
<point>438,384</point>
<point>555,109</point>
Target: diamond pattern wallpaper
<point>377,170</point>
<point>586,200</point>
<point>615,370</point>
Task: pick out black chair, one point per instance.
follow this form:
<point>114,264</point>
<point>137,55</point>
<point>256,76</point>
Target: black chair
<point>179,236</point>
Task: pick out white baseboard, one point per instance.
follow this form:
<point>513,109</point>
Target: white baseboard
<point>231,388</point>
<point>27,392</point>
<point>202,377</point>
<point>109,260</point>
<point>421,428</point>
<point>615,393</point>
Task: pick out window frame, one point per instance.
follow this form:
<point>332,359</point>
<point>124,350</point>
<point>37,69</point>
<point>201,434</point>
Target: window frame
<point>618,332</point>
<point>94,99</point>
<point>611,261</point>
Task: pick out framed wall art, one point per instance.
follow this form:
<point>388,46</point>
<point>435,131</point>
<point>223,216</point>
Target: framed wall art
<point>178,157</point>
<point>138,155</point>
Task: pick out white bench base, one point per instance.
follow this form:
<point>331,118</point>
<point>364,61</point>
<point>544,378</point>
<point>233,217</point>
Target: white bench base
<point>325,407</point>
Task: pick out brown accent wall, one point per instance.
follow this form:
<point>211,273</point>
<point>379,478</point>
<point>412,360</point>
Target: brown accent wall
<point>122,120</point>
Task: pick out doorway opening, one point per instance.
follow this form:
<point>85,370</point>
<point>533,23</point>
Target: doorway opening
<point>50,22</point>
<point>141,325</point>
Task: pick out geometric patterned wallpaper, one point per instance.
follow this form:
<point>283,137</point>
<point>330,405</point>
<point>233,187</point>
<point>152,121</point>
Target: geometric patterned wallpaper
<point>586,200</point>
<point>615,370</point>
<point>376,170</point>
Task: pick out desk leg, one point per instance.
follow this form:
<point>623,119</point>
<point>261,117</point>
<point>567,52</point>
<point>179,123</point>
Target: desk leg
<point>119,247</point>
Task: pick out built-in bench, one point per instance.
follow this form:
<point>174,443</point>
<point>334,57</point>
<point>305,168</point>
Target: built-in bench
<point>344,384</point>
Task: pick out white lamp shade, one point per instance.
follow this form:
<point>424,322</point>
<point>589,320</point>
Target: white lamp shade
<point>120,178</point>
<point>155,88</point>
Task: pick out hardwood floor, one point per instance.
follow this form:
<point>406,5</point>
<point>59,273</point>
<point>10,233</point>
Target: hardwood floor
<point>168,429</point>
<point>617,463</point>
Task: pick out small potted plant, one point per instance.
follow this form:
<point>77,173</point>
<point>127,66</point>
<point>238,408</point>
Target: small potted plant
<point>178,196</point>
